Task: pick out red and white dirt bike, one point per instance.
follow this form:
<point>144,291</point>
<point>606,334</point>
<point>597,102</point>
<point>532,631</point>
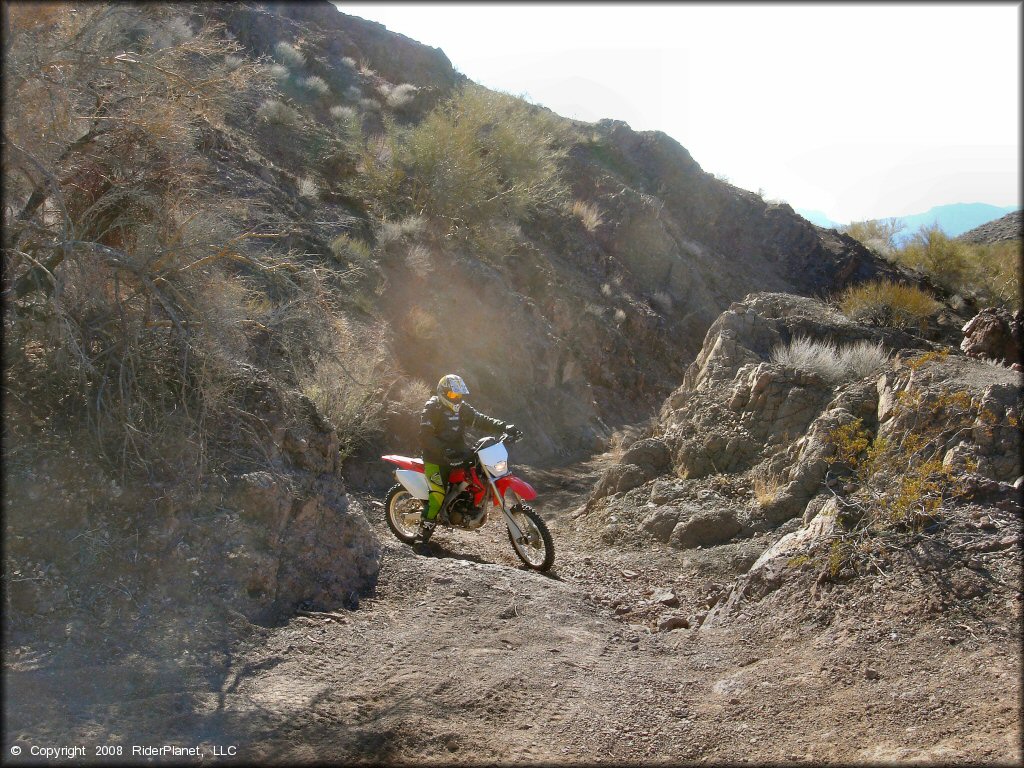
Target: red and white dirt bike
<point>472,489</point>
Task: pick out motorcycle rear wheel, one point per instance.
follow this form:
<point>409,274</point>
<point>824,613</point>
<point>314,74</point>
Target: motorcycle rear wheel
<point>403,512</point>
<point>537,550</point>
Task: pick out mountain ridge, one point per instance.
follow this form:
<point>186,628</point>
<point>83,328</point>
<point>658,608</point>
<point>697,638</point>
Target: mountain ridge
<point>953,218</point>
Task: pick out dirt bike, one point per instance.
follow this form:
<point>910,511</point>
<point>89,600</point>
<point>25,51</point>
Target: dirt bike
<point>486,478</point>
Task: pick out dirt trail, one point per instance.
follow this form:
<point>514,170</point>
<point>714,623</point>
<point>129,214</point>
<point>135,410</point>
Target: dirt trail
<point>462,656</point>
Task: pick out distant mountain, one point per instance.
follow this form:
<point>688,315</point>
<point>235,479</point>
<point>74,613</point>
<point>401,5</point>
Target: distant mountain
<point>819,218</point>
<point>954,219</point>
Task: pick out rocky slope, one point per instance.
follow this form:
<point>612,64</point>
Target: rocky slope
<point>601,323</point>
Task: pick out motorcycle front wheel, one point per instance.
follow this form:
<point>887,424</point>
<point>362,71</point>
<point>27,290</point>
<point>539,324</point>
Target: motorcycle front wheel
<point>402,511</point>
<point>535,548</point>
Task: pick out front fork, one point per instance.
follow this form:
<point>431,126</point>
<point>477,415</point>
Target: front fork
<point>514,529</point>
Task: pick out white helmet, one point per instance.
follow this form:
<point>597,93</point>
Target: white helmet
<point>450,390</point>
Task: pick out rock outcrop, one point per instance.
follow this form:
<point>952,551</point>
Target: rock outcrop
<point>745,416</point>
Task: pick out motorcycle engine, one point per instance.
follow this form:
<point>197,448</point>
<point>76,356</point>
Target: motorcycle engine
<point>465,514</point>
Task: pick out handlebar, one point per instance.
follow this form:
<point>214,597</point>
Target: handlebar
<point>511,439</point>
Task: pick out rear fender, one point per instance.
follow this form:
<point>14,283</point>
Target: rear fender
<point>415,483</point>
<point>405,462</point>
<point>521,487</point>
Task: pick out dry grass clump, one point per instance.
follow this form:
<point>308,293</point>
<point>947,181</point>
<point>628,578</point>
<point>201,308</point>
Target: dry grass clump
<point>351,249</point>
<point>316,84</point>
<point>766,489</point>
<point>832,363</point>
<point>419,260</point>
<point>341,112</point>
<point>289,55</point>
<point>588,214</point>
<point>401,96</point>
<point>393,231</point>
<point>308,188</point>
<point>662,301</point>
<point>886,303</point>
<point>278,113</point>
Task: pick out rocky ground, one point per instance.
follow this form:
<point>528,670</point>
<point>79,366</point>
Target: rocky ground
<point>460,655</point>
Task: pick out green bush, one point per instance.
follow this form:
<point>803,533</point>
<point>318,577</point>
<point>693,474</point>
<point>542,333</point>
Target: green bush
<point>987,272</point>
<point>478,156</point>
<point>948,261</point>
<point>886,303</point>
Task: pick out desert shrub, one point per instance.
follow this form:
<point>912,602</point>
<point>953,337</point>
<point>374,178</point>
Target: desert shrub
<point>346,379</point>
<point>478,156</point>
<point>901,486</point>
<point>289,55</point>
<point>419,260</point>
<point>831,362</point>
<point>886,303</point>
<point>997,270</point>
<point>119,297</point>
<point>877,234</point>
<point>411,394</point>
<point>862,358</point>
<point>279,72</point>
<point>945,259</point>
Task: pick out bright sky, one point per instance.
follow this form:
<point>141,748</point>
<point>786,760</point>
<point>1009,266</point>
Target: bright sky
<point>859,111</point>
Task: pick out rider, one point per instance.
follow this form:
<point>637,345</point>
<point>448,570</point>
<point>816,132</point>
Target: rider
<point>443,424</point>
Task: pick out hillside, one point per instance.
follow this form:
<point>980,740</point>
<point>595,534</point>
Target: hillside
<point>242,241</point>
<point>1008,227</point>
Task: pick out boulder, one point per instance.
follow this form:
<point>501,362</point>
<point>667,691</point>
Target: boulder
<point>619,478</point>
<point>705,529</point>
<point>994,334</point>
<point>650,454</point>
<point>661,521</point>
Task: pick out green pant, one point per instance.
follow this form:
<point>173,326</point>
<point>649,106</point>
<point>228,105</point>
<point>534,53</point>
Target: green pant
<point>436,475</point>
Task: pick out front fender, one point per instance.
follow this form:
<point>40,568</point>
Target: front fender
<point>523,488</point>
